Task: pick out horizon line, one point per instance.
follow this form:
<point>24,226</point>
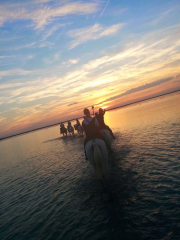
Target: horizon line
<point>111,109</point>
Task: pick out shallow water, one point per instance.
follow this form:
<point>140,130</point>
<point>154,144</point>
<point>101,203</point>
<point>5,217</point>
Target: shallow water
<point>48,190</point>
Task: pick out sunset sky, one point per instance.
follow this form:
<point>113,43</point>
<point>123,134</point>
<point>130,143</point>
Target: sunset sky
<point>58,57</point>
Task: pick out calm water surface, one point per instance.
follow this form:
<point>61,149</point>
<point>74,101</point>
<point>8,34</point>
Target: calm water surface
<point>47,188</point>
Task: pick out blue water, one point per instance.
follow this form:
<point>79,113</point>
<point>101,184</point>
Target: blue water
<point>48,190</point>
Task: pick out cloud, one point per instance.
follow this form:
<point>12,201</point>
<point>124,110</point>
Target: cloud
<point>10,39</point>
<point>2,119</point>
<point>95,32</point>
<point>141,61</point>
<point>30,57</point>
<point>95,90</point>
<point>138,89</point>
<point>10,15</point>
<point>4,57</point>
<point>10,85</point>
<point>145,59</point>
<point>72,104</point>
<point>149,53</point>
<point>161,17</point>
<point>15,72</point>
<point>74,61</point>
<point>41,1</point>
<point>54,58</point>
<point>53,29</point>
<point>16,48</point>
<point>43,16</point>
<point>46,44</point>
<point>71,61</point>
<point>32,90</point>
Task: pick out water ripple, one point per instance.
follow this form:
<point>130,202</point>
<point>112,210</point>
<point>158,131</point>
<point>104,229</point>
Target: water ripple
<point>49,190</point>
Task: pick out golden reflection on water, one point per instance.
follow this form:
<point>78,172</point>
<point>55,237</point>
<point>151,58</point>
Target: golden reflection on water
<point>144,114</point>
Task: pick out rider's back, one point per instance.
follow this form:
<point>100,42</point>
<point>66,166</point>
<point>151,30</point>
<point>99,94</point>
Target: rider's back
<point>90,127</point>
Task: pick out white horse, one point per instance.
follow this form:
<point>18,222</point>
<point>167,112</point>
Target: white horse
<point>106,133</point>
<point>97,155</point>
<point>80,130</point>
<point>70,130</point>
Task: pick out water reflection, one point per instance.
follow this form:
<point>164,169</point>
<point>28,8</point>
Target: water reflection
<point>111,198</point>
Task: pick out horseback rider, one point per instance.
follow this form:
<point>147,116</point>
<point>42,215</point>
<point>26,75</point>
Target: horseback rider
<point>69,125</point>
<point>63,129</point>
<point>78,127</point>
<point>92,130</point>
<point>61,125</point>
<point>102,124</point>
<point>77,122</point>
<point>70,128</point>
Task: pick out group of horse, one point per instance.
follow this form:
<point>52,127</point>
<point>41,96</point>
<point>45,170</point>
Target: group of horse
<point>96,150</point>
<point>70,129</point>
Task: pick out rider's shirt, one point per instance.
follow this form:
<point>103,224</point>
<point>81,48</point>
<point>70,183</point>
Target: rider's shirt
<point>86,121</point>
<point>63,129</point>
<point>90,126</point>
<point>69,127</point>
<point>101,119</point>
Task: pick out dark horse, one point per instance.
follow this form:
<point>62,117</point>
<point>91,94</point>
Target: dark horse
<point>63,130</point>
